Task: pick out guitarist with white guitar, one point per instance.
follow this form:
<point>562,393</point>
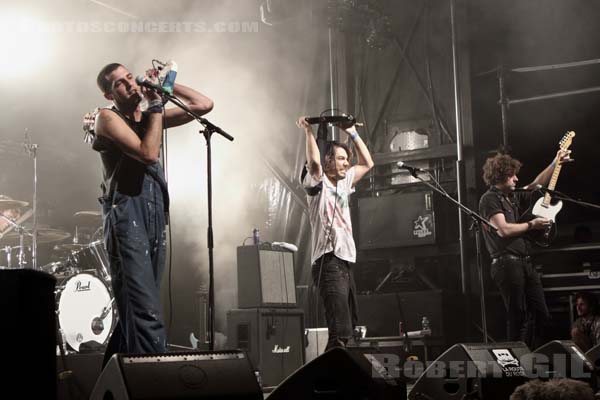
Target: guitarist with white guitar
<point>511,269</point>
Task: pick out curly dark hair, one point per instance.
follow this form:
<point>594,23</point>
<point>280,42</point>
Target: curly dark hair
<point>103,83</point>
<point>554,389</point>
<point>499,168</point>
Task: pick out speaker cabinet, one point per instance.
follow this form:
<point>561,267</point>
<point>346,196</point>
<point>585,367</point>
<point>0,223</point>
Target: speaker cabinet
<point>342,373</point>
<point>272,338</point>
<point>265,277</point>
<point>563,359</point>
<point>593,355</point>
<point>29,334</point>
<point>399,220</point>
<point>477,371</point>
<point>190,375</point>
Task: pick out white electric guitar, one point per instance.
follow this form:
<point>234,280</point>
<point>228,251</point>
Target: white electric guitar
<point>544,207</point>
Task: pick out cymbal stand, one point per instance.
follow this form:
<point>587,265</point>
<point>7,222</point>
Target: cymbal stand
<point>8,249</point>
<point>32,151</point>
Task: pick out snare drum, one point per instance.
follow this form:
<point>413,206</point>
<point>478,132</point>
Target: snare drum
<point>85,310</point>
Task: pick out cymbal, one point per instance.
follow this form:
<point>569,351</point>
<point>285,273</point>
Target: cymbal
<point>88,217</point>
<point>12,204</point>
<point>70,246</point>
<point>45,235</point>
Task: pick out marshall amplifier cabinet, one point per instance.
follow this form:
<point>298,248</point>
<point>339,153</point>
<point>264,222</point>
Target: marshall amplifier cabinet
<point>265,277</point>
<point>272,338</point>
<point>398,220</point>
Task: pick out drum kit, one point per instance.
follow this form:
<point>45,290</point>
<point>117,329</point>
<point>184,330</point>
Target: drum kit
<point>84,299</point>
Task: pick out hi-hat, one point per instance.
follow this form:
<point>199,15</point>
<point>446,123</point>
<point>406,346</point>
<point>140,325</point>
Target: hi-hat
<point>70,246</point>
<point>12,204</point>
<point>44,235</point>
<point>88,217</point>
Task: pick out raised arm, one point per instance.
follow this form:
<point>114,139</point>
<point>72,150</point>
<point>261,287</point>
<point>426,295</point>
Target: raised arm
<point>195,100</point>
<point>313,156</point>
<point>365,162</point>
<point>113,127</point>
<point>543,177</point>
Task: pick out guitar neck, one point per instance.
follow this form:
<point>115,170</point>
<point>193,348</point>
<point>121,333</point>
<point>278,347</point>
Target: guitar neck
<point>552,183</point>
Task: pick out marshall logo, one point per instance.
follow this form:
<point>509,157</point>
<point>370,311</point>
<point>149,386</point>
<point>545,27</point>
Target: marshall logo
<point>80,287</point>
<point>279,350</point>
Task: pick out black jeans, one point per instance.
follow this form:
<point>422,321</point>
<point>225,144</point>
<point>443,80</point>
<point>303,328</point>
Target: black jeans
<point>135,237</point>
<point>333,276</point>
<point>523,296</point>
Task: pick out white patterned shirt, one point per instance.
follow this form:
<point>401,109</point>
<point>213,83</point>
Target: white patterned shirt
<point>322,213</point>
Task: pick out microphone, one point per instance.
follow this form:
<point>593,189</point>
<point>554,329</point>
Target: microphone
<point>549,191</point>
<point>143,81</point>
<point>528,189</point>
<point>412,170</point>
<point>334,119</point>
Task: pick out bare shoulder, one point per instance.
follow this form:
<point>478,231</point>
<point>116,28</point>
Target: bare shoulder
<point>107,123</point>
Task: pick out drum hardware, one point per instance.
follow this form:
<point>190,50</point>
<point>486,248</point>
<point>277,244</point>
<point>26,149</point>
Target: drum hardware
<point>88,218</point>
<point>32,150</point>
<point>20,256</point>
<point>15,233</point>
<point>60,269</point>
<point>97,324</point>
<point>44,236</point>
<point>69,247</point>
<point>90,257</point>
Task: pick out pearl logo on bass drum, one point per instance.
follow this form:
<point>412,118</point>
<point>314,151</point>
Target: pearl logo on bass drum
<point>83,287</point>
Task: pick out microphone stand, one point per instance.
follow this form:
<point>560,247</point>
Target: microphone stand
<point>476,221</point>
<point>561,196</point>
<point>32,149</point>
<point>209,129</point>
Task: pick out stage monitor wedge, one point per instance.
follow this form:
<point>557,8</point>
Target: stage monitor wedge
<point>343,374</point>
<point>477,371</point>
<point>185,375</point>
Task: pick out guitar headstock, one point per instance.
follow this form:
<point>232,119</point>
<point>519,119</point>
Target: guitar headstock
<point>566,141</point>
<point>89,124</point>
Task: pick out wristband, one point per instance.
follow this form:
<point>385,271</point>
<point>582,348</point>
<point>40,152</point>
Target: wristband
<point>353,136</point>
<point>155,106</point>
<point>155,102</point>
<point>155,109</point>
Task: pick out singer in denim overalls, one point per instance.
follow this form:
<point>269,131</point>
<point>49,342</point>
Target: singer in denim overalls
<point>135,203</point>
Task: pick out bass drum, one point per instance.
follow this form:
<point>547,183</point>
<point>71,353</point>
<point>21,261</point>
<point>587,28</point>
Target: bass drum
<point>85,310</point>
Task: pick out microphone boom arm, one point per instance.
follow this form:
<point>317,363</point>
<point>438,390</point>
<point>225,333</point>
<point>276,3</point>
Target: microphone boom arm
<point>207,124</point>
